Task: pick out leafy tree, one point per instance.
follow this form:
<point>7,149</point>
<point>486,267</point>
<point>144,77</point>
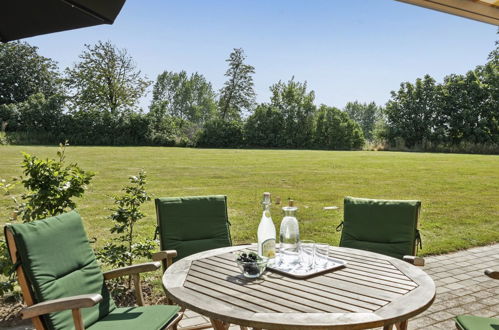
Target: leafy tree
<point>265,127</point>
<point>365,114</point>
<point>220,133</point>
<point>105,79</point>
<point>37,113</point>
<point>298,109</point>
<point>411,111</point>
<point>189,98</point>
<point>335,130</point>
<point>238,94</point>
<point>126,213</point>
<point>23,72</point>
<point>464,114</point>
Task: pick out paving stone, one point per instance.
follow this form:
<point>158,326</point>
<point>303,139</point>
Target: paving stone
<point>476,306</point>
<point>484,313</point>
<point>188,313</point>
<point>459,310</point>
<point>464,292</point>
<point>490,301</point>
<point>483,294</point>
<point>189,322</point>
<point>448,324</point>
<point>494,308</point>
<point>463,277</point>
<point>421,323</point>
<point>455,286</point>
<point>441,316</point>
<point>447,280</point>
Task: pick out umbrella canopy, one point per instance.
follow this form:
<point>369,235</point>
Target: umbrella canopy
<point>28,18</point>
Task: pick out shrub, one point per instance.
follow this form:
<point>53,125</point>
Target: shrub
<point>335,130</point>
<point>219,134</point>
<point>122,251</point>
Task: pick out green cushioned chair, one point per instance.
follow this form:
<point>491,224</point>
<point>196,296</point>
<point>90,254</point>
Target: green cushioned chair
<point>388,227</point>
<point>63,285</point>
<point>469,322</point>
<point>188,225</point>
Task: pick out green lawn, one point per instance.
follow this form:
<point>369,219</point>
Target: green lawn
<point>460,193</point>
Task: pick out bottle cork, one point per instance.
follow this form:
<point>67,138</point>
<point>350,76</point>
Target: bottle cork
<point>266,198</point>
<point>291,202</point>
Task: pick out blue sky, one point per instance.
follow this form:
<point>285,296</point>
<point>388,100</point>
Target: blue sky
<point>345,50</point>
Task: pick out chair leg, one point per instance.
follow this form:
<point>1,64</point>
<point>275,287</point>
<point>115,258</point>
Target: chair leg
<point>138,289</point>
<point>78,321</point>
<point>174,323</point>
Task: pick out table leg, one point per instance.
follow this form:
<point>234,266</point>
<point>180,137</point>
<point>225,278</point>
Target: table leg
<point>388,327</point>
<point>402,325</point>
<point>219,325</point>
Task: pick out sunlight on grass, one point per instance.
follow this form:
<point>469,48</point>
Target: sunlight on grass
<point>459,193</point>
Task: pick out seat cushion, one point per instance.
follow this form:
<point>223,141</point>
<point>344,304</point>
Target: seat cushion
<point>382,226</point>
<point>58,261</point>
<point>469,322</point>
<point>193,224</point>
<point>132,318</point>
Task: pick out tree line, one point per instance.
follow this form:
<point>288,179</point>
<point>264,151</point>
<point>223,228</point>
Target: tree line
<point>96,102</point>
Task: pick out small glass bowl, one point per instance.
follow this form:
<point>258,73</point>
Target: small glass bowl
<point>252,269</point>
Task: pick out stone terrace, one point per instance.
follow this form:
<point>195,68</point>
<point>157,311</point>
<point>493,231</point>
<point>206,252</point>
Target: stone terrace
<point>462,288</point>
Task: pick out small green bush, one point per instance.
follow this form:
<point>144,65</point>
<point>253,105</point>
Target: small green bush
<point>122,250</point>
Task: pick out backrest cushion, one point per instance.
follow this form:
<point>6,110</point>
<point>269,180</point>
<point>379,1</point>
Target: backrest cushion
<point>383,226</point>
<point>58,262</point>
<point>193,224</point>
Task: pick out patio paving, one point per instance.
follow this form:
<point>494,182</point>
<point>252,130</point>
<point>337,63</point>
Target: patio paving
<point>462,288</point>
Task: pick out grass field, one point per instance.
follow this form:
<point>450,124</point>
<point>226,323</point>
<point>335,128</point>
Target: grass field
<point>459,193</point>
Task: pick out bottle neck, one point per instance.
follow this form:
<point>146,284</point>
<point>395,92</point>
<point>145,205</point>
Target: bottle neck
<point>266,207</point>
<point>290,213</point>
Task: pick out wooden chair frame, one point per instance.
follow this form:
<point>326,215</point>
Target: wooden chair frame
<point>413,259</point>
<point>75,303</point>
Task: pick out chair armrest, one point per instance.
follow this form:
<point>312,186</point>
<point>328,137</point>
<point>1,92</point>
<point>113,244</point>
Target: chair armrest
<point>492,274</point>
<point>166,257</point>
<point>56,305</point>
<point>132,270</point>
<point>162,255</point>
<point>416,261</point>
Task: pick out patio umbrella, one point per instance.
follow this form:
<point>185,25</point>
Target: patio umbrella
<point>27,18</point>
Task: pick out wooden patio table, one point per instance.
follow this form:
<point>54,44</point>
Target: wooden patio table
<point>373,290</point>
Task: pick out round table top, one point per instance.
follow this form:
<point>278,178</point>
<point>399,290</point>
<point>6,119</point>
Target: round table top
<point>373,290</point>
